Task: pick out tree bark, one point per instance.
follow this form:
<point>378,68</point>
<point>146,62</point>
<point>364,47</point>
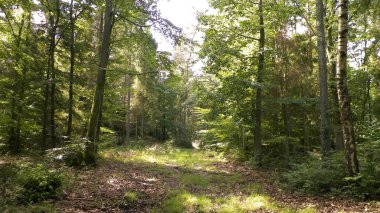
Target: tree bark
<point>258,100</point>
<point>351,160</point>
<point>142,117</point>
<point>338,130</point>
<point>287,130</point>
<point>90,152</point>
<point>14,139</point>
<point>128,115</point>
<point>49,124</point>
<point>322,64</point>
<point>71,75</point>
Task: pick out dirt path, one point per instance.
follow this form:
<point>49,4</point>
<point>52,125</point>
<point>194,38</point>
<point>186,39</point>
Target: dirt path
<point>178,180</point>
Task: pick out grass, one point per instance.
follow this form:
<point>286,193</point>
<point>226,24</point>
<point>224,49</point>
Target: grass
<point>202,186</point>
<point>186,202</point>
<point>166,156</point>
<point>131,197</point>
<point>194,180</point>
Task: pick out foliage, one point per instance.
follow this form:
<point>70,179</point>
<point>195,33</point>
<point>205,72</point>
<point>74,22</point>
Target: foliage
<point>71,154</point>
<point>316,176</point>
<point>367,184</point>
<point>39,183</point>
<point>327,177</point>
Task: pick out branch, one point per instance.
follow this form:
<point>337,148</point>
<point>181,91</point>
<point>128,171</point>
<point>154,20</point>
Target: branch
<point>9,22</point>
<point>248,37</point>
<point>132,22</point>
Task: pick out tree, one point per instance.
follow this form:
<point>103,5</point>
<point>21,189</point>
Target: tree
<point>351,160</point>
<point>260,73</point>
<point>322,64</point>
<point>53,12</point>
<point>337,125</point>
<point>18,88</point>
<point>93,124</point>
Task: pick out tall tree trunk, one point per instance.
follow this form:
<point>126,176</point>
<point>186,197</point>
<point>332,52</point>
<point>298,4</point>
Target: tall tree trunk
<point>338,130</point>
<point>287,129</point>
<point>310,44</point>
<point>71,76</point>
<point>322,64</point>
<point>142,118</point>
<point>128,115</point>
<point>305,131</point>
<point>258,100</point>
<point>351,160</point>
<point>50,77</point>
<point>367,98</point>
<point>90,152</point>
<point>14,139</point>
<point>45,121</point>
<point>136,127</point>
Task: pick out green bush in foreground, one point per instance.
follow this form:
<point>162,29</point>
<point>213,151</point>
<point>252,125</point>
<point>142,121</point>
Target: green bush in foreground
<point>316,176</point>
<point>39,183</point>
<point>328,177</point>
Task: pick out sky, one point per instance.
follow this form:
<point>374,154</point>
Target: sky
<point>182,13</point>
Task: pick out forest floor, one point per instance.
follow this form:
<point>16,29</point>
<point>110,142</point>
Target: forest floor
<point>161,178</point>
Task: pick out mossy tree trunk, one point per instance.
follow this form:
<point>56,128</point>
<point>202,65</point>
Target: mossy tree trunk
<point>351,160</point>
<point>95,116</point>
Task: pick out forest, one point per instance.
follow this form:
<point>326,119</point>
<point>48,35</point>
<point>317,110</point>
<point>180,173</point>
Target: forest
<point>266,106</point>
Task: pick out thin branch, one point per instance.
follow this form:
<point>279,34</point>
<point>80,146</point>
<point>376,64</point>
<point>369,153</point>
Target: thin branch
<point>248,37</point>
<point>133,23</point>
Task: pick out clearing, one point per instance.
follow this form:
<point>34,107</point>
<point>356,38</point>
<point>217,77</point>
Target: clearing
<point>160,178</point>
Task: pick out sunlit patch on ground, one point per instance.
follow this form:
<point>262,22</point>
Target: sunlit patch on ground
<point>160,178</point>
<point>189,158</point>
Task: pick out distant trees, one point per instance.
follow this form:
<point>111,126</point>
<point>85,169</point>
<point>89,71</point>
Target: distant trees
<point>45,99</point>
<point>288,89</point>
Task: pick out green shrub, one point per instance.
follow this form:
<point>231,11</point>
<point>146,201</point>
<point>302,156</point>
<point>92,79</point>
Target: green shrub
<point>71,154</point>
<point>39,183</point>
<point>320,177</point>
<point>317,176</point>
<point>367,184</point>
<point>8,190</point>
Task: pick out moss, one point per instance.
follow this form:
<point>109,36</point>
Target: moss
<point>131,197</point>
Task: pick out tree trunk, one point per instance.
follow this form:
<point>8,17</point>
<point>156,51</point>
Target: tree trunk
<point>142,118</point>
<point>258,100</point>
<point>71,76</point>
<point>310,44</point>
<point>287,129</point>
<point>338,131</point>
<point>50,82</point>
<point>90,152</point>
<point>367,99</point>
<point>322,64</point>
<point>128,115</point>
<point>136,127</point>
<point>14,139</point>
<point>305,131</point>
<point>351,160</point>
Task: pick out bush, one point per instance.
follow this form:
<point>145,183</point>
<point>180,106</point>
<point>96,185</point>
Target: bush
<point>367,184</point>
<point>71,154</point>
<point>317,176</point>
<point>39,183</point>
<point>320,177</point>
